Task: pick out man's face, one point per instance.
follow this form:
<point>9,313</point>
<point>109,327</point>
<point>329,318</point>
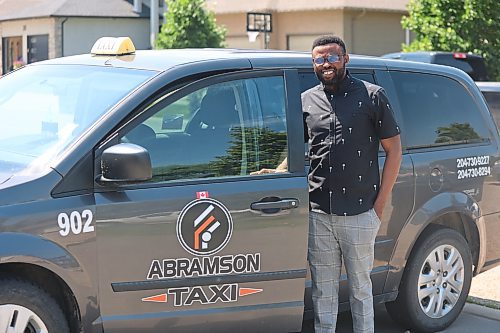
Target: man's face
<point>330,73</point>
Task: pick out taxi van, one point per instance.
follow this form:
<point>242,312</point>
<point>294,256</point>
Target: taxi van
<point>129,200</point>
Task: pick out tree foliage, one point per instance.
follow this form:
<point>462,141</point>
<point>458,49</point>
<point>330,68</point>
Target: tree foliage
<point>456,132</point>
<point>189,25</point>
<point>266,149</point>
<point>457,26</point>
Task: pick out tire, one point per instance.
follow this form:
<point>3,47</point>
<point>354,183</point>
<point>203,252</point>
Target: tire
<point>433,291</point>
<point>26,308</point>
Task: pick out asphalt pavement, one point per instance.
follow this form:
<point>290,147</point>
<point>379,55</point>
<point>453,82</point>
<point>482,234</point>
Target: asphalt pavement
<point>474,318</point>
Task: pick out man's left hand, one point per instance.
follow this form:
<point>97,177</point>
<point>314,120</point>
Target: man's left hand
<point>378,206</point>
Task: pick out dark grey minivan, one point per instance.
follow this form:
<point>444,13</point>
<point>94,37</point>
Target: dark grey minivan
<point>128,201</point>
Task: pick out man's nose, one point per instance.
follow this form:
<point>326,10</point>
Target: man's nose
<point>327,64</point>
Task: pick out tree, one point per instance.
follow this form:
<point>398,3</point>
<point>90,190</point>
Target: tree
<point>188,25</point>
<point>457,26</point>
<point>456,132</point>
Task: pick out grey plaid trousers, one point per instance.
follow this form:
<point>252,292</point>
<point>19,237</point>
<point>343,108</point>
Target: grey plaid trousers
<point>332,239</point>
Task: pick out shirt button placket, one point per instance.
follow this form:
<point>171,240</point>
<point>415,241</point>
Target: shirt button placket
<point>332,138</point>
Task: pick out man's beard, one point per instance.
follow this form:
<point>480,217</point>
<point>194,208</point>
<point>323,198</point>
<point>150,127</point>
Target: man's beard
<point>339,76</point>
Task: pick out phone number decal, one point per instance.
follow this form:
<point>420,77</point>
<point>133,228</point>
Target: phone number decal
<point>472,167</point>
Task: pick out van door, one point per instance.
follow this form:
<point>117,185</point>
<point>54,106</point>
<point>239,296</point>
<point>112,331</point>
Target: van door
<point>208,244</point>
<point>452,143</point>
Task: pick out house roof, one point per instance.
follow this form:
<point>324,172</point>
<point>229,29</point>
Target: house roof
<point>232,6</point>
<point>23,9</point>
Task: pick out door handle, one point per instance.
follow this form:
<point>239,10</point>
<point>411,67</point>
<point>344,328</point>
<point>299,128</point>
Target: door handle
<point>275,206</point>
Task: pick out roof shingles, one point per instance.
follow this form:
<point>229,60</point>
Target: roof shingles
<point>25,9</point>
<point>232,6</point>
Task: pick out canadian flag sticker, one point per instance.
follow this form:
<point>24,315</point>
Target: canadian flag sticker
<point>202,195</point>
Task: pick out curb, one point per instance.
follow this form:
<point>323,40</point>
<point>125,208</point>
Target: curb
<point>490,303</point>
<point>483,308</point>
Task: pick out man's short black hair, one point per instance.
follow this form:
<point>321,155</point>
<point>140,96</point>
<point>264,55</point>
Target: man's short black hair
<point>329,39</point>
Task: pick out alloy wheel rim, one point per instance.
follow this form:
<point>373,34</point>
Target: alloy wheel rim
<point>440,281</point>
<point>18,319</point>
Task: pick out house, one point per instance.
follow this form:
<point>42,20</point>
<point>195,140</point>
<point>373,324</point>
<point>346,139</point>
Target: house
<point>367,26</point>
<point>33,30</point>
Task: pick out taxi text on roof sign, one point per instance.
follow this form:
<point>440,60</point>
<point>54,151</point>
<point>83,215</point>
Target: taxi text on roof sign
<point>113,46</point>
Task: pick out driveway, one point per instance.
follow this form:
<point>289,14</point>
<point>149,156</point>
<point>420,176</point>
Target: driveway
<point>485,288</point>
<point>474,318</point>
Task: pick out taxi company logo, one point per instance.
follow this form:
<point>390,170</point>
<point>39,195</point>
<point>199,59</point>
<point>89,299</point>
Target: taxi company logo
<point>204,227</point>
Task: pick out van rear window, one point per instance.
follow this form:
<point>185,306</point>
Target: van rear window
<point>437,111</point>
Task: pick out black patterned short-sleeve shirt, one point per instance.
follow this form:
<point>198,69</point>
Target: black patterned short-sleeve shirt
<point>344,131</point>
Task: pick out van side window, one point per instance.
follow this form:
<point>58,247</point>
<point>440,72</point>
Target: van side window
<point>437,111</point>
<point>368,77</point>
<point>226,129</point>
<point>307,80</point>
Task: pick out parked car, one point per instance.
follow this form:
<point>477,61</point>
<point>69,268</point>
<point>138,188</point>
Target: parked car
<point>472,64</point>
<point>128,201</point>
<point>491,91</point>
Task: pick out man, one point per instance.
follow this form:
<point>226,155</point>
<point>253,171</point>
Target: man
<point>345,120</point>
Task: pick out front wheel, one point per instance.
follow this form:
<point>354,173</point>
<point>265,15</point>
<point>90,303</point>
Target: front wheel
<point>26,308</point>
<point>436,282</point>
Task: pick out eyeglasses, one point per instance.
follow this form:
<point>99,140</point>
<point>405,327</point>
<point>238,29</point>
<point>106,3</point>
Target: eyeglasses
<point>331,58</point>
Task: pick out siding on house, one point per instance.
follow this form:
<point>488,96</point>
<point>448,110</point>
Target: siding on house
<point>368,27</point>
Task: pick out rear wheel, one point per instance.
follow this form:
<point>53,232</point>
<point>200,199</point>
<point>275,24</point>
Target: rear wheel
<point>436,282</point>
<point>25,308</point>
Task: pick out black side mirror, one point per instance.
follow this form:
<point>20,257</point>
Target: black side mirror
<point>125,163</point>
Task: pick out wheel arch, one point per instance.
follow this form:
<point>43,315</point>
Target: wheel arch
<point>49,265</point>
<point>52,284</point>
<point>456,211</point>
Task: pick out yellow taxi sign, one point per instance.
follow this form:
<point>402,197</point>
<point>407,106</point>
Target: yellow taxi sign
<point>113,46</point>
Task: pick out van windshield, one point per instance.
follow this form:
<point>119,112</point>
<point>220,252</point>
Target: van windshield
<point>45,108</point>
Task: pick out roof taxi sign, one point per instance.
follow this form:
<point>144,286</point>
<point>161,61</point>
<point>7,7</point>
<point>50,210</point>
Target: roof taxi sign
<point>113,46</point>
<point>204,227</point>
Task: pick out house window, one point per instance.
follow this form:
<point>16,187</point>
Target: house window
<point>38,48</point>
<point>12,53</point>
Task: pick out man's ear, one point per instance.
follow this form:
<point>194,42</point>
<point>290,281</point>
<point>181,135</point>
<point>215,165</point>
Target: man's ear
<point>346,58</point>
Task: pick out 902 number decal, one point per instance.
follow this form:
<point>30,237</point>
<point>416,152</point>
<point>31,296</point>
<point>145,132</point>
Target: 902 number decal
<point>75,222</point>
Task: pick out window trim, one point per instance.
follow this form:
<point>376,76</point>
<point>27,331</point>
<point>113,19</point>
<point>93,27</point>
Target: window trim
<point>440,146</point>
<point>167,97</point>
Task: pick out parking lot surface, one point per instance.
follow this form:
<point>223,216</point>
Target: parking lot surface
<point>474,318</point>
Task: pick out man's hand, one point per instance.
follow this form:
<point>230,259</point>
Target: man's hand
<point>392,148</point>
<point>378,206</point>
<point>283,167</point>
<point>263,171</point>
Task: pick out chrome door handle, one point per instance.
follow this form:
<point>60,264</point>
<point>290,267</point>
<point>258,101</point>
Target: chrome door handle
<point>275,205</point>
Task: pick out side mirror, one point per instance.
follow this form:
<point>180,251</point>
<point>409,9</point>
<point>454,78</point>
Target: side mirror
<point>125,163</point>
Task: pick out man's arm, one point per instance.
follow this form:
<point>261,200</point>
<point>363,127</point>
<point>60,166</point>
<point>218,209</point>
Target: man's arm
<point>392,148</point>
<point>283,167</point>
